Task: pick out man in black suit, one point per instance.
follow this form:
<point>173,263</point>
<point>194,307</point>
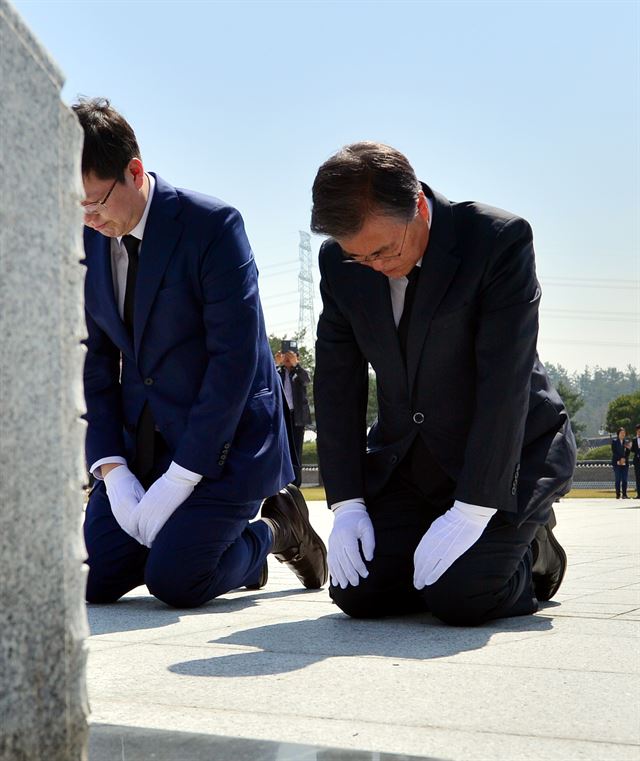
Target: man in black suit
<point>446,504</point>
<point>295,380</point>
<point>635,450</point>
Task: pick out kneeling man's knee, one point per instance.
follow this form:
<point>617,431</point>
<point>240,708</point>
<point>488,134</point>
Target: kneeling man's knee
<point>456,604</point>
<point>356,602</point>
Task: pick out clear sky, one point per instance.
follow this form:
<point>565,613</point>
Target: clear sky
<point>530,106</point>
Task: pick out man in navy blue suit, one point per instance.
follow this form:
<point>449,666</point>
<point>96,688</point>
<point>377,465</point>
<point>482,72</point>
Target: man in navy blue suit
<point>185,429</point>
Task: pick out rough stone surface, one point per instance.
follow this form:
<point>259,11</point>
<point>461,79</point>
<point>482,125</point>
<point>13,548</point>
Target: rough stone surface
<point>43,704</point>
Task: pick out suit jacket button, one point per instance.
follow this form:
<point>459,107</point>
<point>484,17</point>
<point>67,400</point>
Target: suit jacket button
<point>221,461</point>
<point>418,417</point>
<point>226,445</point>
<point>148,381</point>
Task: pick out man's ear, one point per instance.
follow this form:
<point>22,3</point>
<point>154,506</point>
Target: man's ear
<point>423,206</point>
<point>136,170</point>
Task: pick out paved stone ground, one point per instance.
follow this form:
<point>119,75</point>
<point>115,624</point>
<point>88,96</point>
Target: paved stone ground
<point>283,674</point>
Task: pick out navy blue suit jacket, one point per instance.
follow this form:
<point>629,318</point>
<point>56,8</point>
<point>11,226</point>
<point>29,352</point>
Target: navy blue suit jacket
<point>200,355</point>
<point>619,451</point>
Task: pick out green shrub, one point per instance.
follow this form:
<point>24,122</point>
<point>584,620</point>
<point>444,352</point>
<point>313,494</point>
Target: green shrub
<point>597,453</point>
<point>309,453</point>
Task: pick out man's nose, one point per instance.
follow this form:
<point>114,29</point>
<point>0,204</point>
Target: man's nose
<point>378,265</point>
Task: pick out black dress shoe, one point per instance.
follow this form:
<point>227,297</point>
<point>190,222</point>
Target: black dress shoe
<point>262,579</point>
<point>294,540</point>
<point>549,561</point>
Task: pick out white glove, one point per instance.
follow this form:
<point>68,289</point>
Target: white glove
<point>124,492</point>
<point>351,523</point>
<point>163,498</point>
<point>448,537</point>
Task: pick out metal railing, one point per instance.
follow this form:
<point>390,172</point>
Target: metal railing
<point>588,474</point>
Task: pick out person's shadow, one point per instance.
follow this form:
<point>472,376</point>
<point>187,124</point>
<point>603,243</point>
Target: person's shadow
<point>143,611</point>
<point>293,645</point>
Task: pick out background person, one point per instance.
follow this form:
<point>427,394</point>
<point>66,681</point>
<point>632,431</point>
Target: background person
<point>620,450</point>
<point>635,449</point>
<point>295,380</point>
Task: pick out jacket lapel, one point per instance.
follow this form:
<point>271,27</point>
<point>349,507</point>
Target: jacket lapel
<point>161,234</point>
<point>101,298</point>
<point>439,266</point>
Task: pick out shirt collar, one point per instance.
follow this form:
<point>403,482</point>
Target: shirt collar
<point>138,230</point>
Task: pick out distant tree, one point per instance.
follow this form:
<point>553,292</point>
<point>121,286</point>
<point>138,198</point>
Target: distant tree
<point>624,412</point>
<point>372,401</point>
<point>597,453</point>
<point>558,374</point>
<point>574,402</point>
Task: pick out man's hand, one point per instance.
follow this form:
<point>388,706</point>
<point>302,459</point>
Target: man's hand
<point>291,359</point>
<point>351,523</point>
<point>163,498</point>
<point>448,537</point>
<point>124,492</point>
<point>279,358</point>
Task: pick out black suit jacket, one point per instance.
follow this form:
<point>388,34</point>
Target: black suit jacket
<point>619,452</point>
<point>472,387</point>
<point>635,449</point>
<point>301,412</point>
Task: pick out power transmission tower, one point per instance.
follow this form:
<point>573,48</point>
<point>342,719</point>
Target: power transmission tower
<point>306,317</point>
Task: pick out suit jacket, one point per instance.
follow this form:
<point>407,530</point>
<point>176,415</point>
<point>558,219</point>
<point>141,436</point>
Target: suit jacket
<point>200,355</point>
<point>472,387</point>
<point>635,449</point>
<point>299,382</point>
<point>619,452</point>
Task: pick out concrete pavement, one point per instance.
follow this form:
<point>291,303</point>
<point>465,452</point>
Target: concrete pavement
<point>282,674</point>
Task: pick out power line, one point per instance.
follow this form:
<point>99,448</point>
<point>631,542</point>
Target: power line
<point>288,263</point>
<point>278,296</point>
<point>572,342</point>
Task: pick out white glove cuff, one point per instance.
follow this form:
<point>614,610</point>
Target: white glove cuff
<point>116,476</point>
<point>349,506</point>
<point>179,475</point>
<point>475,513</point>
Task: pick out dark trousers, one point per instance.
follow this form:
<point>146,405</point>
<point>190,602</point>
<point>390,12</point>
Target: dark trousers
<point>492,579</point>
<point>206,548</point>
<point>636,468</point>
<point>621,473</point>
<point>297,441</point>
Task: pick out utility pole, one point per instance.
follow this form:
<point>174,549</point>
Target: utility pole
<point>306,316</point>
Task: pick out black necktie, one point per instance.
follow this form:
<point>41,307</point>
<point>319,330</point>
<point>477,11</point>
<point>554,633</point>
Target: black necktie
<point>132,245</point>
<point>409,296</point>
<point>145,428</point>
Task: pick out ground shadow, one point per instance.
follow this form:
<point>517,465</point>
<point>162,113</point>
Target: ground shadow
<point>293,645</point>
<point>132,613</point>
<point>109,742</point>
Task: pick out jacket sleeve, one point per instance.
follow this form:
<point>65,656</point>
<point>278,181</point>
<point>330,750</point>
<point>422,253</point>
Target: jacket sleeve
<point>231,316</point>
<point>340,391</point>
<point>505,351</point>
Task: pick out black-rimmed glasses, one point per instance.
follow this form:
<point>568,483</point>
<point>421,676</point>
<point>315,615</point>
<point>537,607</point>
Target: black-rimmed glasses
<point>376,257</point>
<point>94,208</point>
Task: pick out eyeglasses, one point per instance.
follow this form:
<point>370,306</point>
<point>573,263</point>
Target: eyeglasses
<point>94,208</point>
<point>375,257</point>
